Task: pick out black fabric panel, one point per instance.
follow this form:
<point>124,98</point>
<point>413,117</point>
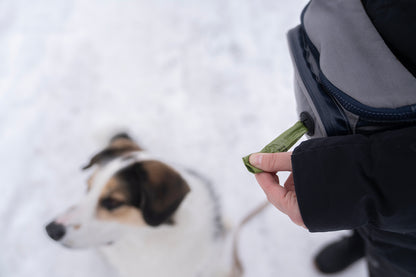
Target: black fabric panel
<point>350,181</point>
<point>389,254</point>
<point>395,20</point>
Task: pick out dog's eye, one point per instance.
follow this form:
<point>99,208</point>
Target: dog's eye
<point>111,203</point>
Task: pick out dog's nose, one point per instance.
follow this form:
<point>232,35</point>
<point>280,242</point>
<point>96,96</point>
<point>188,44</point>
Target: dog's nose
<point>55,230</point>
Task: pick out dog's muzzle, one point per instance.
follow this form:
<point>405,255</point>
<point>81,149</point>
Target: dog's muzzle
<point>55,230</point>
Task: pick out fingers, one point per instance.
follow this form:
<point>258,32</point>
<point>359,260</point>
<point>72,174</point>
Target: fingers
<point>283,198</point>
<point>272,162</point>
<point>274,192</point>
<point>289,184</point>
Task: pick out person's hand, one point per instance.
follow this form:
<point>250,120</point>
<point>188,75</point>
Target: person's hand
<point>284,198</point>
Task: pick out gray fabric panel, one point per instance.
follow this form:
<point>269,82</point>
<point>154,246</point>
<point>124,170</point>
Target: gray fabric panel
<point>354,57</point>
<point>305,104</point>
<point>352,120</point>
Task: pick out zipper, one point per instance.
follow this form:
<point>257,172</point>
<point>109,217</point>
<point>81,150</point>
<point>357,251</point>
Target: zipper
<point>364,111</point>
<point>380,115</point>
<point>322,101</point>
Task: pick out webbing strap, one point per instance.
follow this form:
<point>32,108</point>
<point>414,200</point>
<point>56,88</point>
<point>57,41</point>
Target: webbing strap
<point>280,144</point>
<point>237,267</point>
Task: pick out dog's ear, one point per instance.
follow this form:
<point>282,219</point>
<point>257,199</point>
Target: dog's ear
<point>155,188</point>
<point>119,145</point>
<point>163,193</point>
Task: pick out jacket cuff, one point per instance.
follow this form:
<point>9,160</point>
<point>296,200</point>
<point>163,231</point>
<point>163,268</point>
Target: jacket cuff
<point>330,197</point>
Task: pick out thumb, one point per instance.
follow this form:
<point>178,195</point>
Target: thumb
<point>272,162</point>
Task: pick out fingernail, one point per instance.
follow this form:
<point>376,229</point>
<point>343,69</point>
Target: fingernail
<point>255,159</point>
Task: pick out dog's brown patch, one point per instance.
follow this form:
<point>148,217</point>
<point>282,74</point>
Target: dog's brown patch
<point>125,214</point>
<point>118,146</point>
<point>90,182</point>
<point>166,183</point>
<point>124,144</point>
<point>142,193</point>
<point>113,188</point>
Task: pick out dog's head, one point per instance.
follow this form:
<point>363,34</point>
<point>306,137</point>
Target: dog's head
<point>127,190</point>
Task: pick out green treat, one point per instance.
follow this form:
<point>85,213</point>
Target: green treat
<point>280,144</point>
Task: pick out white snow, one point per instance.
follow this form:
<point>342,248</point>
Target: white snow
<point>200,82</point>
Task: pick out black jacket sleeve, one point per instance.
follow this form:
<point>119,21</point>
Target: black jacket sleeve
<point>350,181</point>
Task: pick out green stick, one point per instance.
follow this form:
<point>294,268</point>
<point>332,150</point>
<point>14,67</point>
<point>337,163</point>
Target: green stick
<point>280,144</point>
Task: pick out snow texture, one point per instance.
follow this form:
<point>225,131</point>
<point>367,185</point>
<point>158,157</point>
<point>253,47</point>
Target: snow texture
<point>200,82</point>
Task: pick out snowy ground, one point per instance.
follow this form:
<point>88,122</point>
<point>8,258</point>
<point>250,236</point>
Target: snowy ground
<point>200,82</point>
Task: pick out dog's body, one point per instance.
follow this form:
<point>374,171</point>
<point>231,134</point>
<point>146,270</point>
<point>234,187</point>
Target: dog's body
<point>148,218</point>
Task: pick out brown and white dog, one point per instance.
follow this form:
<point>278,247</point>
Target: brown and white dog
<point>147,217</point>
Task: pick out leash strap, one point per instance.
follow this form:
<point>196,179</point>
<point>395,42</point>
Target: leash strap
<point>237,268</point>
<point>280,144</point>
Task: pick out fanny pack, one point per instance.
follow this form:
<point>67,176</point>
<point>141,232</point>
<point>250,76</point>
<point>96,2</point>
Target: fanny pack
<point>347,81</point>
